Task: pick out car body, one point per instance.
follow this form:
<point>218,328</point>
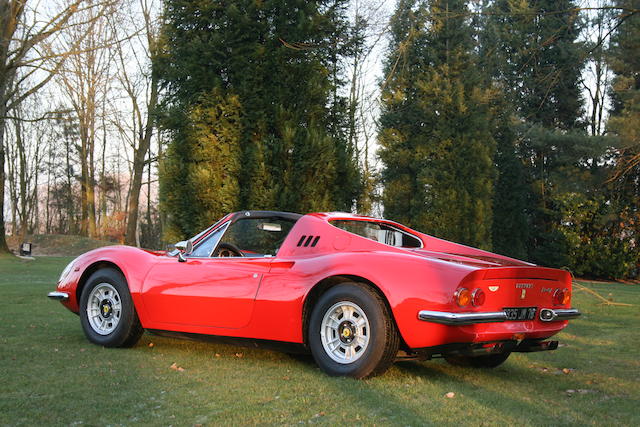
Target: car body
<point>261,276</point>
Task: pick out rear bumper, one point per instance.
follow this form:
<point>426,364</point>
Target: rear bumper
<point>551,315</point>
<point>60,296</point>
<point>458,319</point>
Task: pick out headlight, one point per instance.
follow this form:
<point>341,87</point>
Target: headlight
<point>66,271</point>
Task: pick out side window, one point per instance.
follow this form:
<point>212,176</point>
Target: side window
<point>258,237</point>
<point>380,232</point>
<point>204,248</point>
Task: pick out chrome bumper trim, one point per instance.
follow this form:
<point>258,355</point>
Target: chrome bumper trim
<point>60,296</point>
<point>447,318</point>
<point>559,314</point>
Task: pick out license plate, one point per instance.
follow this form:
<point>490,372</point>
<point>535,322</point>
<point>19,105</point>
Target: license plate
<point>520,313</point>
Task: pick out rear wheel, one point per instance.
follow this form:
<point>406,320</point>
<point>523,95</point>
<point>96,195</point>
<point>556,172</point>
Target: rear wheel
<point>351,332</point>
<point>107,314</point>
<point>488,361</point>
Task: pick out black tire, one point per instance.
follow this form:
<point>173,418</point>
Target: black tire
<point>383,339</point>
<point>488,361</point>
<point>127,330</point>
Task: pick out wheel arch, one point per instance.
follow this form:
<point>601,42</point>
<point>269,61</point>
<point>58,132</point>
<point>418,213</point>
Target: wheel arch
<point>92,268</point>
<point>327,283</point>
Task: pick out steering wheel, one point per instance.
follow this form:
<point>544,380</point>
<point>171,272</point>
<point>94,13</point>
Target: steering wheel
<point>228,250</point>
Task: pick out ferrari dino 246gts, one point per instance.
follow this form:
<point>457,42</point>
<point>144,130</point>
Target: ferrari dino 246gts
<point>355,291</point>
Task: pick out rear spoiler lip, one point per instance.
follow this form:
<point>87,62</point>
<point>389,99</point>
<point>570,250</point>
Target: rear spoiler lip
<point>520,273</point>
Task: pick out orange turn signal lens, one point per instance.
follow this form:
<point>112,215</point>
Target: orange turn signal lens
<point>463,297</point>
<point>559,297</point>
<point>478,297</point>
<point>567,297</point>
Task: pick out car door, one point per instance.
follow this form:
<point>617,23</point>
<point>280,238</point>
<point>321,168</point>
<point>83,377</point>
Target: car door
<point>209,292</point>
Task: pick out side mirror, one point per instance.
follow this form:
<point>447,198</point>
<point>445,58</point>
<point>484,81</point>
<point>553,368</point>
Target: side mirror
<point>184,247</point>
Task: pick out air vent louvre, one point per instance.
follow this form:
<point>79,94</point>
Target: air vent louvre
<point>308,240</point>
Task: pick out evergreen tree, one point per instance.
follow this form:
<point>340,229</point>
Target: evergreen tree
<point>201,167</point>
<point>281,60</point>
<point>625,125</point>
<point>436,122</point>
<point>532,51</point>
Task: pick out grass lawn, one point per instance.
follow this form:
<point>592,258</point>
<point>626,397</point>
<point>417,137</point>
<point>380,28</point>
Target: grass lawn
<point>50,374</point>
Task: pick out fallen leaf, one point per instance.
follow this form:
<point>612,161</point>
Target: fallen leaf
<point>239,355</point>
<point>450,395</point>
<point>217,354</point>
<point>567,370</point>
<point>151,344</point>
<point>175,367</point>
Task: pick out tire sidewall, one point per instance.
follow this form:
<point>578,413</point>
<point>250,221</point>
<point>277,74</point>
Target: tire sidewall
<point>127,316</point>
<point>378,335</point>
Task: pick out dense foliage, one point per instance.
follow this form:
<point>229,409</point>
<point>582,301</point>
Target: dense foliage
<point>562,196</point>
<point>486,134</point>
<point>280,63</point>
<point>436,140</point>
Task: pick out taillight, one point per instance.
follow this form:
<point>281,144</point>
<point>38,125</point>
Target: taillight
<point>463,297</point>
<point>478,297</point>
<point>561,296</point>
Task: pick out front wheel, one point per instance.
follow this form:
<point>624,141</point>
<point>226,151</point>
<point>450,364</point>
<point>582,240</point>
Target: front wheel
<point>488,361</point>
<point>107,314</point>
<point>351,332</point>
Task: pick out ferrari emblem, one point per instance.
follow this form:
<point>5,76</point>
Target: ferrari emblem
<point>523,294</point>
<point>105,309</point>
<point>346,332</point>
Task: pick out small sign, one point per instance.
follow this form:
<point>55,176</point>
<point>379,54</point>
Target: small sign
<point>25,249</point>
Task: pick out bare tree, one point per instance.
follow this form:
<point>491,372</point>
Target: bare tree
<point>26,65</point>
<point>597,76</point>
<point>141,88</point>
<point>86,78</point>
<point>369,23</point>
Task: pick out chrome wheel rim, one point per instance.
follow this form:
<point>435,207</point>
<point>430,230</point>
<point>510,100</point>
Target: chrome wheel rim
<point>104,309</point>
<point>345,332</point>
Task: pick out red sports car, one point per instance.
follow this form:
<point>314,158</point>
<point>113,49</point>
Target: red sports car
<point>357,292</point>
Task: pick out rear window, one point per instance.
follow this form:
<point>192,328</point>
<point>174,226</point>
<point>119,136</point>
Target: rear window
<point>380,232</point>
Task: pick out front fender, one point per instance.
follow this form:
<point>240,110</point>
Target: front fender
<point>134,264</point>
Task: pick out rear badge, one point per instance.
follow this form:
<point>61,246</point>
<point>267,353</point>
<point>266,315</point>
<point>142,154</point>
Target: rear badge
<point>494,288</point>
<point>523,294</point>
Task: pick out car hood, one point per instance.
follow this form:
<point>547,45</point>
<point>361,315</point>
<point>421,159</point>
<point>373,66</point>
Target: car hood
<point>480,261</point>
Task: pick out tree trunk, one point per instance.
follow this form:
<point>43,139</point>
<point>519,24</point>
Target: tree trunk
<point>4,249</point>
<point>138,166</point>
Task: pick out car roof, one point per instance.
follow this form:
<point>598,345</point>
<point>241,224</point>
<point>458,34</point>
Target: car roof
<point>326,216</point>
<point>265,214</point>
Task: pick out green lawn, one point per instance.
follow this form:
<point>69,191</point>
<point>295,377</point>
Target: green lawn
<point>50,374</point>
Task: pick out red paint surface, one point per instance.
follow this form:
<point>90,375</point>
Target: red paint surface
<point>263,297</point>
